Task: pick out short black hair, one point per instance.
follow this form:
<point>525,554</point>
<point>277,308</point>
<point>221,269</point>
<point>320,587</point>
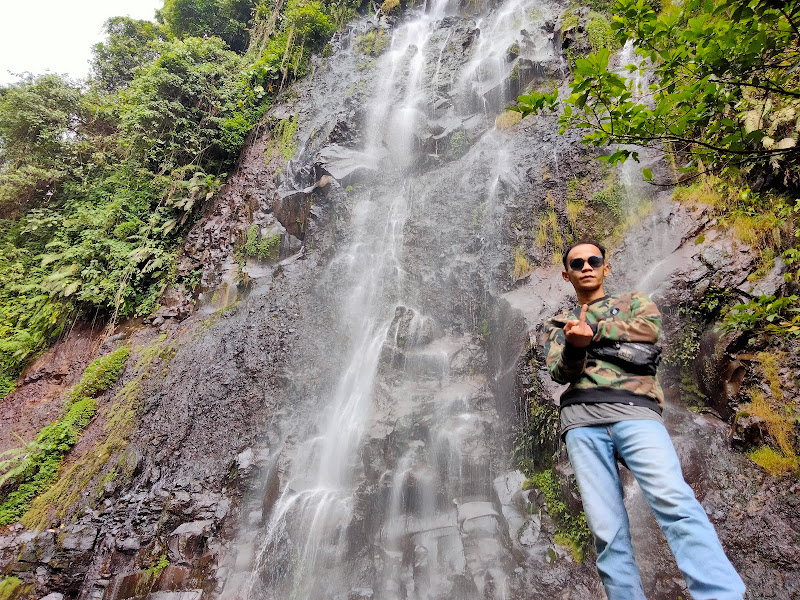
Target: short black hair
<point>581,243</point>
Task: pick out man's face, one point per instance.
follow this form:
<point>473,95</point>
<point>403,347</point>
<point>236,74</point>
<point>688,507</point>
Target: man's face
<point>586,278</point>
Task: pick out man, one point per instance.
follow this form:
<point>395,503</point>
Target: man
<point>606,351</point>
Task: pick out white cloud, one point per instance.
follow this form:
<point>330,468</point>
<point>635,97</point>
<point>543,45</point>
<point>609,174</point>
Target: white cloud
<point>56,35</point>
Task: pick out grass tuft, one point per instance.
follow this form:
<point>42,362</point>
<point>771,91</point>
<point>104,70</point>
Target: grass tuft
<point>772,461</point>
<point>522,267</point>
<point>507,119</point>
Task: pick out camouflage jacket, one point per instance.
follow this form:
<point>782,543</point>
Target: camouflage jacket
<point>624,318</point>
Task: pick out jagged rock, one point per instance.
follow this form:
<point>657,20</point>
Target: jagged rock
<point>429,511</point>
<point>175,304</point>
<point>749,431</point>
<point>129,545</point>
<point>349,166</point>
<point>718,374</point>
<point>189,541</point>
<point>78,538</point>
<point>182,595</point>
<point>768,285</point>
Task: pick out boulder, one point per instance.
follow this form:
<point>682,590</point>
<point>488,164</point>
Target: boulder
<point>189,541</point>
<point>349,166</point>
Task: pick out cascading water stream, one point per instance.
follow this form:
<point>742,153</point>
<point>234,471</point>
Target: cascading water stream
<point>317,501</point>
<point>432,528</point>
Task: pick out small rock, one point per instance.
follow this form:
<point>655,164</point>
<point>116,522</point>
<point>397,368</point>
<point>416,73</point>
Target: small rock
<point>128,545</point>
<point>188,541</point>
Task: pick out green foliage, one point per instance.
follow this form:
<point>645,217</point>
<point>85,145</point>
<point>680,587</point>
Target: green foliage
<point>36,119</point>
<point>172,113</point>
<point>156,569</point>
<point>100,375</point>
<point>39,122</point>
<point>342,11</point>
<point>599,33</point>
<point>80,413</point>
<point>569,21</point>
<point>727,90</point>
<point>373,43</point>
<point>7,385</point>
<point>99,184</point>
<point>266,248</point>
<point>282,141</point>
<point>225,19</point>
<point>611,199</point>
<point>12,588</point>
<point>572,531</point>
<point>775,315</point>
<point>29,470</point>
<point>105,241</point>
<point>769,223</point>
<point>536,442</point>
<point>36,470</point>
<point>129,44</point>
<point>684,349</point>
<point>305,28</point>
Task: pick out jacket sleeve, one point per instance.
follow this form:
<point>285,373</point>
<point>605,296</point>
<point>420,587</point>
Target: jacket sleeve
<point>638,320</point>
<point>565,363</point>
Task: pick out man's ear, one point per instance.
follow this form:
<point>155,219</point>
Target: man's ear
<point>606,270</point>
<point>564,275</point>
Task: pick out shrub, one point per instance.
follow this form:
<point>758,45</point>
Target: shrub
<point>572,531</point>
<point>7,385</point>
<point>266,248</point>
<point>536,442</point>
<point>599,33</point>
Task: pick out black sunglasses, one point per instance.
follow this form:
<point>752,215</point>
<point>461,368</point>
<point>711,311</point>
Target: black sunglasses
<point>576,264</point>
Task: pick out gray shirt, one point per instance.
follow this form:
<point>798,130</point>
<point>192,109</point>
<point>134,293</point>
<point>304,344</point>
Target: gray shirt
<point>603,413</point>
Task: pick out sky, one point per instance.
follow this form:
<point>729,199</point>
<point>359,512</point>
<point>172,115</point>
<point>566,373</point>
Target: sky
<point>57,35</point>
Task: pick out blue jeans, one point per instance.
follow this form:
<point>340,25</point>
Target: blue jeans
<point>647,450</point>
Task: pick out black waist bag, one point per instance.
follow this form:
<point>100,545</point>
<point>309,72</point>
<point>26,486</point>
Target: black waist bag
<point>638,358</point>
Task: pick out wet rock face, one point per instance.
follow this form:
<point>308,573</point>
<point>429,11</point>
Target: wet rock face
<point>61,559</point>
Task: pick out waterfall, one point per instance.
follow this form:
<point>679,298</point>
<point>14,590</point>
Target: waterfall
<point>390,469</point>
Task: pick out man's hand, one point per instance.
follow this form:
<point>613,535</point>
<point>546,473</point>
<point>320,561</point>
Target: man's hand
<point>578,332</point>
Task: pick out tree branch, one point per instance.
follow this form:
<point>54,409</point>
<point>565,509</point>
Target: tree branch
<point>789,19</point>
